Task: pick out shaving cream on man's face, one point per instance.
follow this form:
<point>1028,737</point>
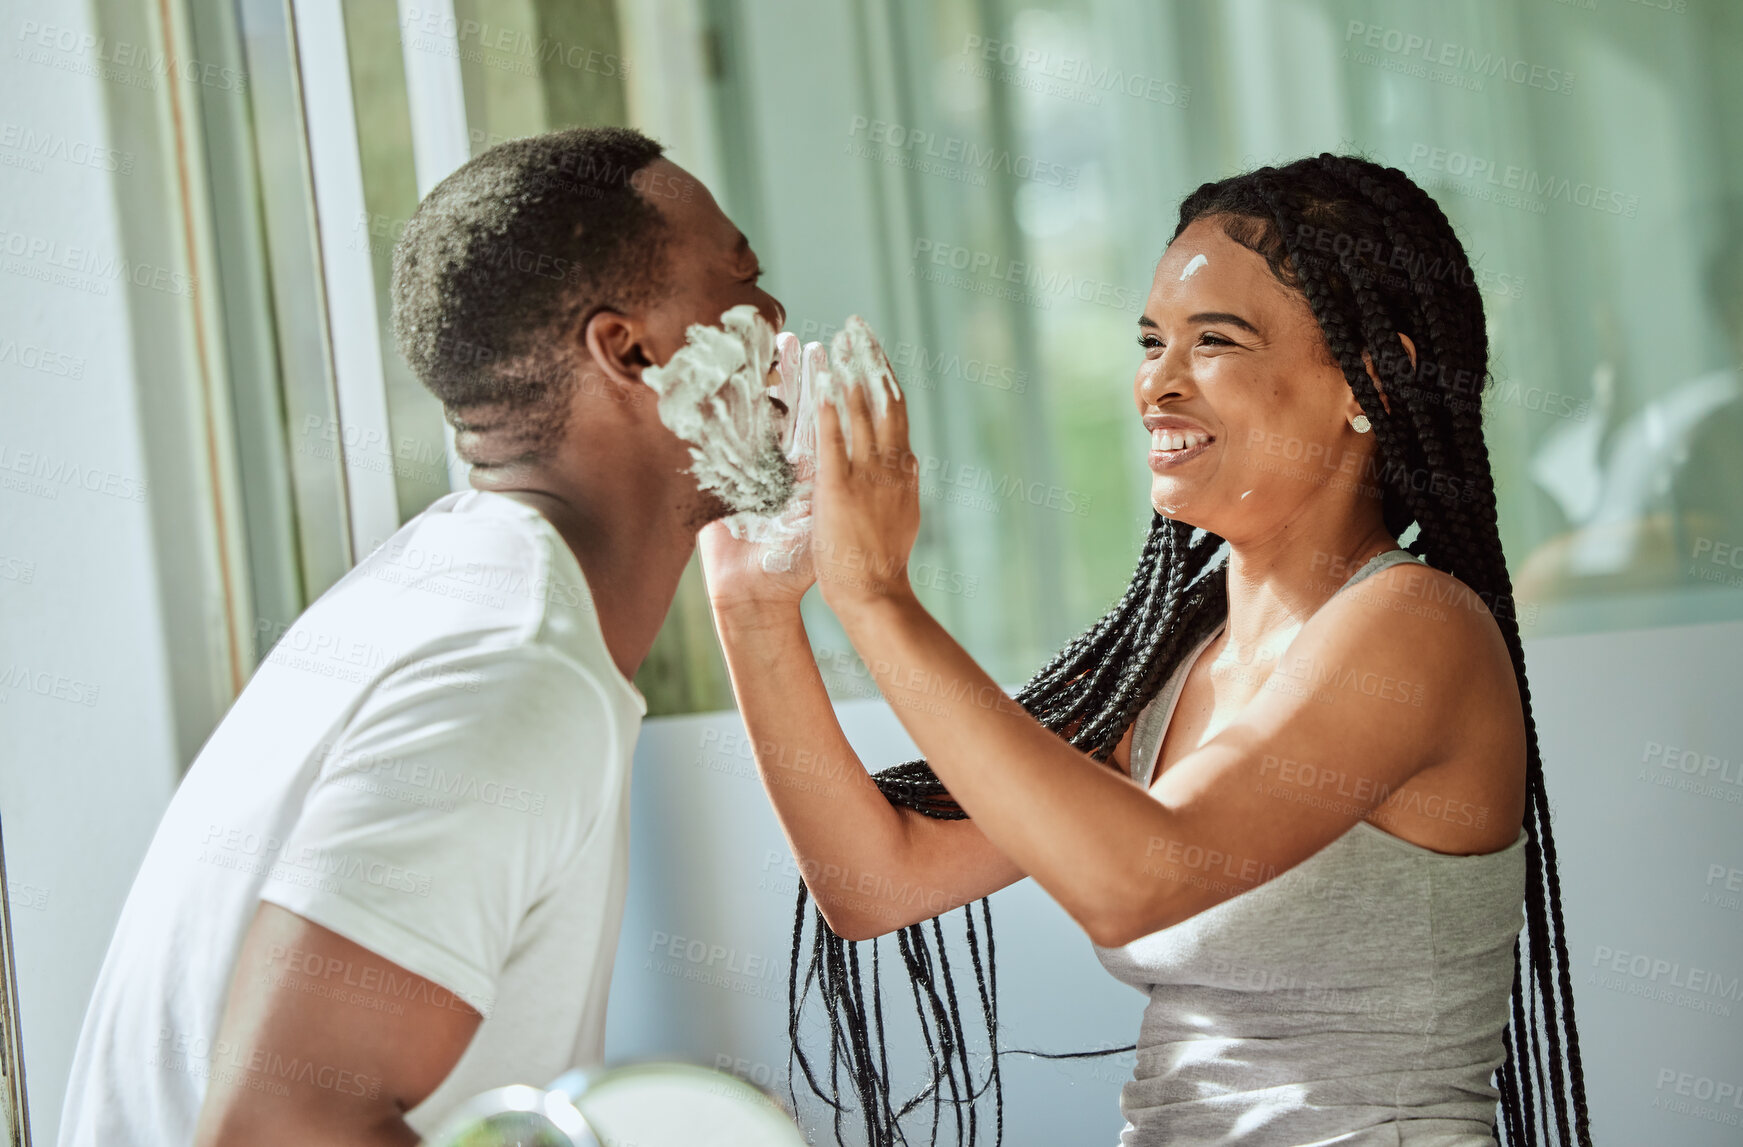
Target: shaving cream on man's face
<point>714,394</point>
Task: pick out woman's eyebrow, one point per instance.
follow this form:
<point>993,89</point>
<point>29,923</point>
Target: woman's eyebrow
<point>1223,317</point>
<point>1232,320</point>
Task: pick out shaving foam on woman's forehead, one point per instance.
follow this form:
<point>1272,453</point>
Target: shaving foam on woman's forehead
<point>714,394</point>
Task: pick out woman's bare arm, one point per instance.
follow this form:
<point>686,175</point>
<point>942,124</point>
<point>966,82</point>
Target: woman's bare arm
<point>872,868</point>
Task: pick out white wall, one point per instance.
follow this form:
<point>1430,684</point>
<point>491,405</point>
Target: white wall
<point>111,629</point>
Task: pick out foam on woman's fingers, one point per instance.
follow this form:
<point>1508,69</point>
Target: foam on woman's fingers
<point>830,387</point>
<point>854,352</point>
<point>791,391</point>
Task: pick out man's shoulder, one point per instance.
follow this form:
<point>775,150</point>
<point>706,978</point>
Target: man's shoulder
<point>470,538</point>
<point>472,561</point>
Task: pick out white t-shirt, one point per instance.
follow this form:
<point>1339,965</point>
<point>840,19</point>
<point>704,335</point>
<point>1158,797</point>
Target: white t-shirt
<point>433,762</point>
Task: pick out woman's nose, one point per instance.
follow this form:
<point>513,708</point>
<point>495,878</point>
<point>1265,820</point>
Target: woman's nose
<point>1166,378</point>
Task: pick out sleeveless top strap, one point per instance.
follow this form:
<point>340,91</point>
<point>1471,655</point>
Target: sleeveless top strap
<point>1377,563</point>
<point>1152,721</point>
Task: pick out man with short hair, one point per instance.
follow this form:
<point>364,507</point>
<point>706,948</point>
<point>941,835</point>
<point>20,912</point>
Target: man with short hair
<point>394,876</point>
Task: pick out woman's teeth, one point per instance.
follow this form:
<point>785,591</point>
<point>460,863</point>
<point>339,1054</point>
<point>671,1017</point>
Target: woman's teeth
<point>1176,439</point>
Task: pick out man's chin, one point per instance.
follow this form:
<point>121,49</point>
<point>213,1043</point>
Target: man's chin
<point>710,508</point>
<point>765,492</point>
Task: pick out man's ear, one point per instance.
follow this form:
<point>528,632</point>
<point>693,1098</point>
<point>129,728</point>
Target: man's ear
<point>617,344</point>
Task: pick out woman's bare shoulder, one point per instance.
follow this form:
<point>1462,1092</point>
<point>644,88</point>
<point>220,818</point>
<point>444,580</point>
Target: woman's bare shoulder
<point>1414,615</point>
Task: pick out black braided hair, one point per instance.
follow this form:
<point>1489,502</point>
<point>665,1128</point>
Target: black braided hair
<point>1374,256</point>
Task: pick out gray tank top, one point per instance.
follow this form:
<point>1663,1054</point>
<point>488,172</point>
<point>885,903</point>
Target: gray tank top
<point>1356,999</point>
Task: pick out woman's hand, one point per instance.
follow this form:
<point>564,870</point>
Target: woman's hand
<point>745,574</point>
<point>766,563</point>
<point>866,500</point>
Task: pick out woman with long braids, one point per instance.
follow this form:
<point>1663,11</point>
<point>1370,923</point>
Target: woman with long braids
<point>1294,797</point>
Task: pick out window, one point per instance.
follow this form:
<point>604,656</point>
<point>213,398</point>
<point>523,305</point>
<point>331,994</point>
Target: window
<point>991,183</point>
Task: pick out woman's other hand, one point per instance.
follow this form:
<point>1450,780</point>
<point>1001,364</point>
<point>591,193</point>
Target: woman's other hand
<point>866,500</point>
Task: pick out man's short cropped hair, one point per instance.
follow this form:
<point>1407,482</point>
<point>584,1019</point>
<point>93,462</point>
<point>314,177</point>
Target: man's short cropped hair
<point>503,258</point>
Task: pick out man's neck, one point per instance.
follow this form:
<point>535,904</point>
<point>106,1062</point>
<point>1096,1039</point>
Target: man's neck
<point>631,542</point>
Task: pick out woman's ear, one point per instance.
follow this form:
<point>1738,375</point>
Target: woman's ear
<point>1368,361</point>
<point>1409,348</point>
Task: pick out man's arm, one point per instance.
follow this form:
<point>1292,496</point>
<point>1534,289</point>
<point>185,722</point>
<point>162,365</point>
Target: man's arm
<point>323,1042</point>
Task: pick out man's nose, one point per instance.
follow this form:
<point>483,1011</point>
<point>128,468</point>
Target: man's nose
<point>778,319</point>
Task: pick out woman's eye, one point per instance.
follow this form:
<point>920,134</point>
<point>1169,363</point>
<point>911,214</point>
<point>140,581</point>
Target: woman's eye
<point>1209,339</point>
<point>1149,342</point>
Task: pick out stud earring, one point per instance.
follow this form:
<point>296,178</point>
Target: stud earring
<point>1360,424</point>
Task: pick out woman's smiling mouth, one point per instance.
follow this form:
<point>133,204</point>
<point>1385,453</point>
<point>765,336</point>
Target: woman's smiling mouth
<point>1175,440</point>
